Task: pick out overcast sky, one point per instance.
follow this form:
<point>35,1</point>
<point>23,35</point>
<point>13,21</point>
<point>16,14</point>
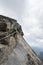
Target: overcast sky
<point>29,14</point>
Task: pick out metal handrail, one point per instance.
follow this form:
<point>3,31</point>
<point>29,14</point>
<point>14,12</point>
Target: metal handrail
<point>10,34</point>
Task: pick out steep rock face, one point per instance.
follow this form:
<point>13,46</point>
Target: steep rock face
<point>17,51</point>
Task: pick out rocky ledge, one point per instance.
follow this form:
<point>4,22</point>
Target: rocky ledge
<point>14,50</point>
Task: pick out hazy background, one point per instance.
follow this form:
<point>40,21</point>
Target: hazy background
<point>29,13</point>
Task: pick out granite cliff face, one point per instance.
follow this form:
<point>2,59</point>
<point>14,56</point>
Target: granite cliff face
<point>14,50</point>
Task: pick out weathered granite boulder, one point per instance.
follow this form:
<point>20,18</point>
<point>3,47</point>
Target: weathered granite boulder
<point>18,52</point>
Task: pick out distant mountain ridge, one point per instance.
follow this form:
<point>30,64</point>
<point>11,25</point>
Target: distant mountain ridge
<point>39,52</point>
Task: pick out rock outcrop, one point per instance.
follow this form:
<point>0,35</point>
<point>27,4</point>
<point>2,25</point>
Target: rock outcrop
<point>14,50</point>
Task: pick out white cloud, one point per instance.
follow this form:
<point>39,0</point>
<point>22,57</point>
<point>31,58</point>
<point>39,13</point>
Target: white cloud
<point>33,22</point>
<point>29,14</point>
